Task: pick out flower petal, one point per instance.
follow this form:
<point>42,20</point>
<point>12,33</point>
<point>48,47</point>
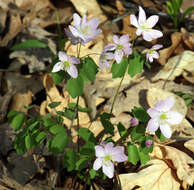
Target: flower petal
<point>165,105</point>
<point>153,125</point>
<point>142,16</point>
<point>120,157</point>
<point>97,164</point>
<point>108,147</point>
<point>115,39</point>
<point>108,169</point>
<point>155,55</point>
<point>72,71</point>
<point>62,56</point>
<point>110,47</point>
<point>147,36</point>
<point>139,31</point>
<point>157,46</point>
<point>133,21</point>
<point>75,31</point>
<point>74,60</point>
<point>118,56</point>
<point>151,21</point>
<point>127,49</point>
<point>124,39</point>
<point>166,130</point>
<point>76,19</point>
<point>57,67</point>
<point>153,112</point>
<point>155,34</point>
<point>174,117</point>
<point>99,150</point>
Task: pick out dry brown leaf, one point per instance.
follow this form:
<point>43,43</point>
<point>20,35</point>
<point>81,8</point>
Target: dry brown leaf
<point>175,66</point>
<point>91,7</point>
<point>188,38</point>
<point>190,113</point>
<point>179,161</point>
<point>190,145</point>
<point>156,176</point>
<point>20,100</point>
<point>188,76</point>
<point>167,52</point>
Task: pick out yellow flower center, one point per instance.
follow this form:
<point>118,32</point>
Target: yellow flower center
<point>66,63</point>
<point>85,30</point>
<point>120,47</point>
<point>163,116</point>
<point>107,158</point>
<point>151,51</point>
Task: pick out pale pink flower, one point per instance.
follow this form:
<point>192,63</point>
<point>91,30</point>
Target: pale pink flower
<point>144,26</point>
<point>105,57</point>
<point>162,116</point>
<point>148,143</point>
<point>134,121</point>
<point>83,31</point>
<point>152,53</point>
<point>107,154</point>
<point>121,46</point>
<point>66,63</point>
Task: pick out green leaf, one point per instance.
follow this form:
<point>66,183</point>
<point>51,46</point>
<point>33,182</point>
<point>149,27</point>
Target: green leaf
<point>88,150</point>
<point>54,104</point>
<point>70,159</point>
<point>75,86</point>
<point>81,109</point>
<point>136,62</point>
<point>80,164</point>
<point>122,131</point>
<point>140,114</point>
<point>144,157</point>
<point>58,143</point>
<point>57,129</point>
<point>144,148</point>
<point>69,114</point>
<point>186,12</point>
<point>160,135</point>
<point>93,173</point>
<point>105,120</point>
<point>40,136</point>
<point>133,155</point>
<point>29,44</point>
<point>89,69</point>
<point>58,77</point>
<point>138,133</point>
<point>18,121</point>
<point>12,114</point>
<point>188,102</point>
<point>19,143</point>
<point>47,122</point>
<point>28,141</point>
<point>86,135</point>
<point>118,70</point>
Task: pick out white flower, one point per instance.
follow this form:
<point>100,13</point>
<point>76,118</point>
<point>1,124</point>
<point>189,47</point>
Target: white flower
<point>105,57</point>
<point>144,26</point>
<point>107,154</point>
<point>66,63</point>
<point>152,54</point>
<point>162,117</point>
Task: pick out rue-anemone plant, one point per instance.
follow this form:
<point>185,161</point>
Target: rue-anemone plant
<point>95,156</point>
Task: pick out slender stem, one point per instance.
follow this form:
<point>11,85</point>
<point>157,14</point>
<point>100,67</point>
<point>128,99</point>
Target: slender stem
<point>116,94</point>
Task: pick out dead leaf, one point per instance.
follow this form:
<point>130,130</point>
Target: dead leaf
<point>91,7</point>
<point>20,100</point>
<point>156,175</point>
<point>190,113</point>
<point>175,66</point>
<point>167,52</point>
<point>188,76</point>
<point>188,38</point>
<point>179,161</point>
<point>190,145</point>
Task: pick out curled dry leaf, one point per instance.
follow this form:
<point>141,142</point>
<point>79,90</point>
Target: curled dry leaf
<point>188,39</point>
<point>18,105</point>
<point>190,145</point>
<point>156,175</point>
<point>167,52</point>
<point>179,161</point>
<point>175,66</point>
<point>91,7</point>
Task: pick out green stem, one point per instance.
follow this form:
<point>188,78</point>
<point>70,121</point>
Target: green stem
<point>116,94</point>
